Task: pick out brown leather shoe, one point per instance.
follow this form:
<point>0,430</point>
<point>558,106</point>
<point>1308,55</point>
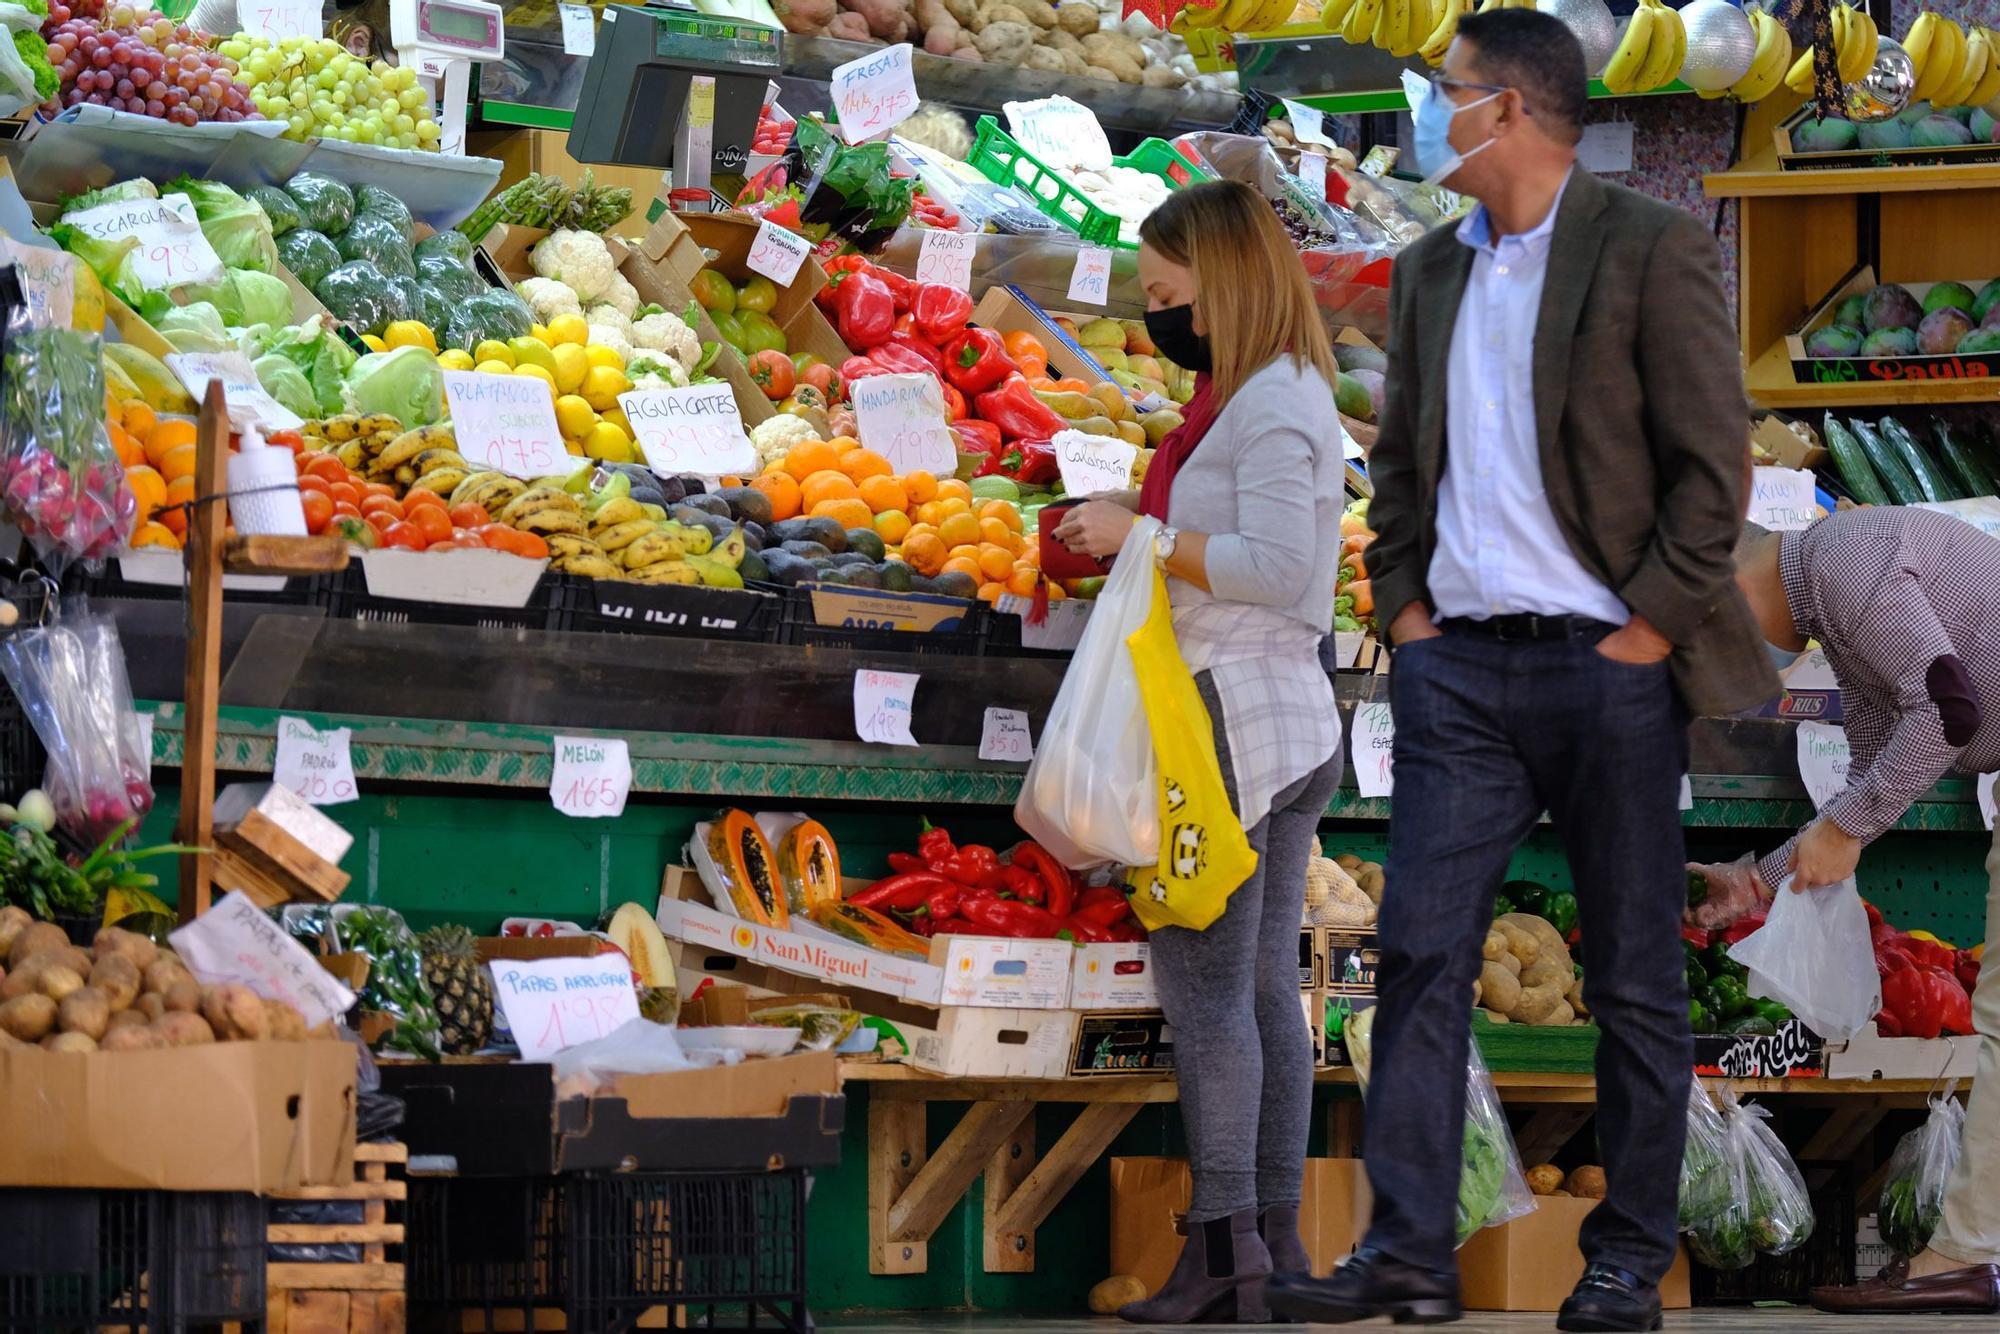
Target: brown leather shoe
<point>1973,1289</point>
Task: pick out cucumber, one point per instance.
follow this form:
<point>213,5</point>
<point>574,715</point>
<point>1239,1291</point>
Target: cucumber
<point>1930,478</point>
<point>1851,462</point>
<point>1958,453</point>
<point>1889,466</point>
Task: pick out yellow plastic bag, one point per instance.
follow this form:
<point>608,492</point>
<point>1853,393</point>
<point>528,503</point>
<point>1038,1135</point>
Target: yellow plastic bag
<point>1204,853</point>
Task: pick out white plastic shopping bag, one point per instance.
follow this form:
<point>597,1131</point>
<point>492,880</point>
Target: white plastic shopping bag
<point>1813,955</point>
<point>1091,793</point>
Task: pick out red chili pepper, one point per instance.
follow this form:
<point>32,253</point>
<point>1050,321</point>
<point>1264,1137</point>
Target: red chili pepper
<point>1002,918</point>
<point>906,861</point>
<point>900,893</point>
<point>934,845</point>
<point>1102,914</point>
<point>953,926</point>
<point>976,436</point>
<point>902,291</point>
<point>943,903</point>
<point>975,866</point>
<point>865,309</point>
<point>1014,408</point>
<point>941,312</point>
<point>976,360</point>
<point>1061,889</point>
<point>897,359</point>
<point>1023,884</point>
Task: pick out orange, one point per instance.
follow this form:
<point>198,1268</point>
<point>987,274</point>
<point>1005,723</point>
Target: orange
<point>1002,510</point>
<point>995,562</point>
<point>841,444</point>
<point>138,419</point>
<point>951,505</point>
<point>964,565</point>
<point>953,489</point>
<point>148,487</point>
<point>883,493</point>
<point>177,462</point>
<point>846,513</point>
<point>1057,593</point>
<point>922,530</point>
<point>959,530</point>
<point>991,592</point>
<point>999,534</point>
<point>179,492</point>
<point>862,463</point>
<point>924,552</point>
<point>170,433</point>
<point>810,457</point>
<point>930,513</point>
<point>782,490</point>
<point>130,451</point>
<point>921,486</point>
<point>1023,579</point>
<point>828,484</point>
<point>892,526</point>
<point>154,535</point>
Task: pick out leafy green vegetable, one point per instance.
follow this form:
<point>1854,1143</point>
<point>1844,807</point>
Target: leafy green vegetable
<point>405,383</point>
<point>287,383</point>
<point>449,275</point>
<point>236,227</point>
<point>452,245</point>
<point>114,262</point>
<point>395,984</point>
<point>321,356</point>
<point>360,295</point>
<point>195,327</point>
<point>310,255</point>
<point>279,207</point>
<point>33,48</point>
<point>246,296</point>
<point>379,202</point>
<point>123,192</point>
<point>1479,1180</point>
<point>325,205</point>
<point>496,315</point>
<point>380,242</point>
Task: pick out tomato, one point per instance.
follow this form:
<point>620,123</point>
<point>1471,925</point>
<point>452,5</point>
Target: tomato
<point>531,545</point>
<point>431,521</point>
<point>291,440</point>
<point>496,537</point>
<point>346,491</point>
<point>375,488</point>
<point>404,534</point>
<point>774,373</point>
<point>308,482</point>
<point>823,378</point>
<point>347,509</point>
<point>470,516</point>
<point>319,510</point>
<point>380,520</point>
<point>419,497</point>
<point>370,504</point>
<point>449,544</point>
<point>328,467</point>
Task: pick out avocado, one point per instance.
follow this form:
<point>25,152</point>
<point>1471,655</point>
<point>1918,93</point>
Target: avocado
<point>827,533</point>
<point>806,550</point>
<point>953,584</point>
<point>896,576</point>
<point>715,505</point>
<point>1359,358</point>
<point>788,530</point>
<point>746,503</point>
<point>1352,399</point>
<point>691,486</point>
<point>834,575</point>
<point>754,536</point>
<point>863,576</point>
<point>719,526</point>
<point>688,514</point>
<point>782,567</point>
<point>753,566</point>
<point>866,541</point>
<point>850,559</point>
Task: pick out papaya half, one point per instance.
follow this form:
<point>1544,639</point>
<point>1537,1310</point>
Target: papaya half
<point>744,860</point>
<point>808,867</point>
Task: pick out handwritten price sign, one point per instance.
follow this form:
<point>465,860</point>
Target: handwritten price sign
<point>591,778</point>
<point>901,417</point>
<point>946,257</point>
<point>553,1004</point>
<point>237,942</point>
<point>1059,131</point>
<point>883,703</point>
<point>172,251</point>
<point>279,19</point>
<point>1090,280</point>
<point>777,253</point>
<point>1782,499</point>
<point>1004,737</point>
<point>875,93</point>
<point>1823,761</point>
<point>48,280</point>
<point>1374,750</point>
<point>318,766</point>
<point>505,422</point>
<point>694,430</point>
<point>242,393</point>
<point>1093,464</point>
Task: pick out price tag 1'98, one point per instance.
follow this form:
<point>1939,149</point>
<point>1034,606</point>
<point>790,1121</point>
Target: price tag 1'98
<point>946,257</point>
<point>1090,280</point>
<point>172,251</point>
<point>505,422</point>
<point>901,417</point>
<point>777,253</point>
<point>875,93</point>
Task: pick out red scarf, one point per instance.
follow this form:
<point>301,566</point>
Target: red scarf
<point>1197,415</point>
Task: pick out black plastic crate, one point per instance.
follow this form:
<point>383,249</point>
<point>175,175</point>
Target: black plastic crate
<point>486,1243</point>
<point>299,590</point>
<point>753,614</point>
<point>966,640</point>
<point>347,598</point>
<point>1826,1258</point>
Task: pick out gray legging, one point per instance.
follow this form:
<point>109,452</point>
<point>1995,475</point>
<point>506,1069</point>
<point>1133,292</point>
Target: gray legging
<point>1242,1052</point>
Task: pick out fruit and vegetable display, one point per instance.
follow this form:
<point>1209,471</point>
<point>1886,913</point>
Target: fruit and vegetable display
<point>549,203</point>
<point>1719,1000</point>
<point>1526,975</point>
<point>137,61</point>
<point>1580,1183</point>
<point>1354,592</point>
<point>323,91</point>
<point>1891,320</point>
<point>1886,462</point>
<point>943,888</point>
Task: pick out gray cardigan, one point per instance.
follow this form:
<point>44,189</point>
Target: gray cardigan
<point>1266,484</point>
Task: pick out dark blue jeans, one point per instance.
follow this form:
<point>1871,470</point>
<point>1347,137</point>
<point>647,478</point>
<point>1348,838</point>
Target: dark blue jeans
<point>1490,734</point>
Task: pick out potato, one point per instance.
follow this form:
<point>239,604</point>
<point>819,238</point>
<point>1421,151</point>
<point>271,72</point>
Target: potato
<point>184,995</point>
<point>1498,989</point>
<point>183,1030</point>
<point>85,1010</point>
<point>162,973</point>
<point>1586,1183</point>
<point>1120,66</point>
<point>118,978</point>
<point>1077,17</point>
<point>1040,13</point>
<point>1546,1179</point>
<point>125,1019</point>
<point>1371,879</point>
<point>13,921</point>
<point>33,939</point>
<point>152,1005</point>
<point>74,1044</point>
<point>78,961</point>
<point>1042,57</point>
<point>1161,76</point>
<point>130,1037</point>
<point>235,1012</point>
<point>282,1023</point>
<point>28,1018</point>
<point>22,980</point>
<point>327,1031</point>
<point>1099,73</point>
<point>112,940</point>
<point>1005,43</point>
<point>58,980</point>
<point>1116,1291</point>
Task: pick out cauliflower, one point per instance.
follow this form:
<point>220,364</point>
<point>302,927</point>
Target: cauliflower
<point>610,317</point>
<point>621,296</point>
<point>547,298</point>
<point>576,259</point>
<point>775,436</point>
<point>603,335</point>
<point>653,370</point>
<point>664,331</point>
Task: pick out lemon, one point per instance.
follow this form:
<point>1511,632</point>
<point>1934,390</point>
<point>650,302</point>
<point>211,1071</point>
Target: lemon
<point>616,416</point>
<point>542,373</point>
<point>574,417</point>
<point>573,447</point>
<point>570,363</point>
<point>568,329</point>
<point>600,355</point>
<point>602,387</point>
<point>455,359</point>
<point>539,332</point>
<point>494,350</point>
<point>410,333</point>
<point>373,344</point>
<point>608,443</point>
<point>528,352</point>
<point>494,368</point>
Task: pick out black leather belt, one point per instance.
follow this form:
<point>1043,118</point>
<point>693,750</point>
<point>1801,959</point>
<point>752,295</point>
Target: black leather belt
<point>1527,626</point>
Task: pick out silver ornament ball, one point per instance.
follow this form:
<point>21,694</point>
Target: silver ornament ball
<point>1721,42</point>
<point>1885,89</point>
<point>1593,25</point>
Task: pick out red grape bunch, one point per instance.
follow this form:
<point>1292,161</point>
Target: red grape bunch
<point>140,61</point>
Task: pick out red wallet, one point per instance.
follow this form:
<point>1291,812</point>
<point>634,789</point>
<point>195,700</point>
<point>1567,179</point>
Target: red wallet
<point>1058,561</point>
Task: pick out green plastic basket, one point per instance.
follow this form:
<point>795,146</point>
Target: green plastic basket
<point>997,156</point>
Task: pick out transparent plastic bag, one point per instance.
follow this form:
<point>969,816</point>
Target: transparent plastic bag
<point>395,986</point>
<point>1091,792</point>
<point>1814,956</point>
<point>70,678</point>
<point>60,479</point>
<point>1729,892</point>
<point>1715,1195</point>
<point>1780,1215</point>
<point>635,1047</point>
<point>1919,1170</point>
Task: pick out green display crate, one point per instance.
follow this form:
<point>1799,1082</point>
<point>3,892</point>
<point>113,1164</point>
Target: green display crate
<point>1000,158</point>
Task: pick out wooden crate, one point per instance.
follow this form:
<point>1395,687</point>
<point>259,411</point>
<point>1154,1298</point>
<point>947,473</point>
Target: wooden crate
<point>364,1297</point>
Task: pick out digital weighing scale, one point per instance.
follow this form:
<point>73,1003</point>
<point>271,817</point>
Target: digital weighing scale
<point>440,39</point>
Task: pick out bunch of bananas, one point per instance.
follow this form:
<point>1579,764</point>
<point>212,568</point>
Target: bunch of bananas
<point>352,438</point>
<point>1446,28</point>
<point>1235,16</point>
<point>1405,27</point>
<point>1650,52</point>
<point>1854,35</point>
<point>1767,66</point>
<point>623,541</point>
<point>1953,69</point>
<point>491,491</point>
<point>424,459</point>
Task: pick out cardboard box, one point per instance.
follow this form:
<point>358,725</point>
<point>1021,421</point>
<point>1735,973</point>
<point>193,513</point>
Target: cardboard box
<point>1352,957</point>
<point>1875,370</point>
<point>1312,957</point>
<point>1785,445</point>
<point>530,948</point>
<point>870,609</point>
<point>1532,1263</point>
<point>1009,310</point>
<point>1125,1042</point>
<point>1149,1203</point>
<point>461,578</point>
<point>1869,1055</point>
<point>1003,972</point>
<point>276,847</point>
<point>249,1116</point>
<point>1115,975</point>
<point>995,1044</point>
<point>753,1088</point>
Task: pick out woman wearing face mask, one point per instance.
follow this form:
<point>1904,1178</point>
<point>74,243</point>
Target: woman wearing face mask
<point>1250,491</point>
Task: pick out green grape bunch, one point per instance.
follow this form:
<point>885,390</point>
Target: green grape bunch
<point>321,90</point>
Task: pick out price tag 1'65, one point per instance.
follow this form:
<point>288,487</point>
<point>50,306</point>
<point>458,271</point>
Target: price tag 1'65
<point>505,422</point>
<point>592,776</point>
<point>777,253</point>
<point>875,93</point>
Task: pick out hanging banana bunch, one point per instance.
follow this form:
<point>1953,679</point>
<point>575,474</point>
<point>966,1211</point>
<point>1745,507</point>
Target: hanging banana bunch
<point>1405,28</point>
<point>1953,68</point>
<point>1768,66</point>
<point>1650,53</point>
<point>1446,28</point>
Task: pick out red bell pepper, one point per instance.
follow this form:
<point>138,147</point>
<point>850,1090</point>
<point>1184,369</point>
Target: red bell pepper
<point>923,347</point>
<point>975,866</point>
<point>1024,884</point>
<point>1030,461</point>
<point>976,436</point>
<point>976,360</point>
<point>934,845</point>
<point>860,368</point>
<point>941,312</point>
<point>943,903</point>
<point>1013,407</point>
<point>837,272</point>
<point>865,309</point>
<point>1966,965</point>
<point>1926,1001</point>
<point>896,359</point>
<point>901,290</point>
<point>900,893</point>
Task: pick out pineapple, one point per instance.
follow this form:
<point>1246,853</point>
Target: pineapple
<point>462,988</point>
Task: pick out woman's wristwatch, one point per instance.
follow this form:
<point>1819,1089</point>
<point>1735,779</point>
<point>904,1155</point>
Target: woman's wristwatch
<point>1164,542</point>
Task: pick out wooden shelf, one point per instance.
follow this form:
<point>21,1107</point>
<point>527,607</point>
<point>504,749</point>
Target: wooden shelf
<point>1759,176</point>
<point>1770,384</point>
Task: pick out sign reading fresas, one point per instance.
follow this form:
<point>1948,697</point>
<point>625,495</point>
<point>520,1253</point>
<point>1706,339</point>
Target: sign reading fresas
<point>553,1004</point>
<point>695,430</point>
<point>875,93</point>
<point>172,252</point>
<point>505,422</point>
<point>901,417</point>
<point>1093,464</point>
<point>777,253</point>
<point>591,777</point>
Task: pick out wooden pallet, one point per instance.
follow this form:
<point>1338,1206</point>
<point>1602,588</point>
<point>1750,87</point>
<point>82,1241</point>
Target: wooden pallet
<point>359,1297</point>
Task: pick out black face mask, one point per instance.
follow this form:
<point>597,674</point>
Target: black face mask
<point>1172,330</point>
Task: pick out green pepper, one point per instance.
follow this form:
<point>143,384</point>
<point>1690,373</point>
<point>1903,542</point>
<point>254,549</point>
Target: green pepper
<point>1709,1000</point>
<point>1778,1014</point>
<point>1732,995</point>
<point>1755,1024</point>
<point>1719,964</point>
<point>1697,977</point>
<point>1698,1018</point>
<point>1528,896</point>
<point>1697,889</point>
<point>1502,905</point>
<point>1560,910</point>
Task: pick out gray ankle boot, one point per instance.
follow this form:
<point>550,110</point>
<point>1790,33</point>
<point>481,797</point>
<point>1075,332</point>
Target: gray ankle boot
<point>1220,1275</point>
<point>1279,1227</point>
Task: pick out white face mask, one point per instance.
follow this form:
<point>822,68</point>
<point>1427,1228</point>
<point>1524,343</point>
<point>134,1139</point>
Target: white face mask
<point>1431,114</point>
<point>1782,658</point>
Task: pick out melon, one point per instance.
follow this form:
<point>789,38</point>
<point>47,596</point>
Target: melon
<point>633,930</point>
<point>1835,340</point>
<point>1941,330</point>
<point>1890,343</point>
<point>1939,132</point>
<point>1891,306</point>
<point>1885,134</point>
<point>1824,136</point>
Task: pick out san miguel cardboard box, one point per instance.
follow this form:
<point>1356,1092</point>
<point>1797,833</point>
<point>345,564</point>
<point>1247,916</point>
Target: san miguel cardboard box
<point>247,1116</point>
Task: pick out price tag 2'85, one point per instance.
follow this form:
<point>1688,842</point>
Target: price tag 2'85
<point>946,257</point>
